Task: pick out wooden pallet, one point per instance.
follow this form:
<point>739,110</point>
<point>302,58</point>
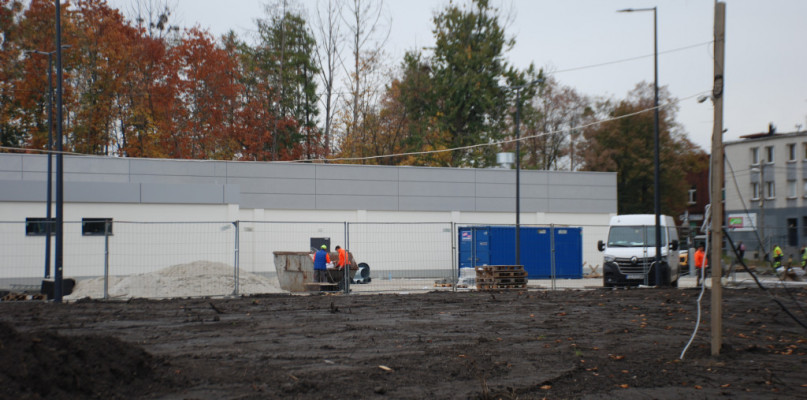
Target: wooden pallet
<point>501,277</point>
<point>23,297</point>
<point>501,286</point>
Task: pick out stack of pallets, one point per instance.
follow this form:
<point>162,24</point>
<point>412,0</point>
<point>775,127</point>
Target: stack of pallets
<point>501,277</point>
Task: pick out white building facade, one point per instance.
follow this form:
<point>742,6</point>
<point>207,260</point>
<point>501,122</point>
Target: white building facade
<point>766,192</point>
<point>164,212</point>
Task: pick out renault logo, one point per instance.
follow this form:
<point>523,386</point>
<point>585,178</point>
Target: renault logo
<point>634,260</point>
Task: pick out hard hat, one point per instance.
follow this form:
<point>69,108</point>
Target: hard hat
<point>324,247</point>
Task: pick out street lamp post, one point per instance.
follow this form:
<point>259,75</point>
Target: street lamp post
<point>656,174</point>
<point>48,225</point>
<point>59,251</point>
<point>518,165</point>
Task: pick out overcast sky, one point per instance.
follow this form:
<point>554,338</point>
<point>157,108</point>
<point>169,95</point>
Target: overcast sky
<point>766,49</point>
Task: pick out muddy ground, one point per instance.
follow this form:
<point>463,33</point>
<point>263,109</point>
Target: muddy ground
<point>593,344</point>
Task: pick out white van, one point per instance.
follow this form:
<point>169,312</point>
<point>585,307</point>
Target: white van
<point>630,252</point>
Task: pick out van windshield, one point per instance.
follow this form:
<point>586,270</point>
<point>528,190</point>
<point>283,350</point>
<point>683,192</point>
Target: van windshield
<point>634,236</point>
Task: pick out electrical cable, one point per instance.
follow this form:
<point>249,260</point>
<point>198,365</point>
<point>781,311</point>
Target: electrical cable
<point>761,286</point>
<point>706,226</point>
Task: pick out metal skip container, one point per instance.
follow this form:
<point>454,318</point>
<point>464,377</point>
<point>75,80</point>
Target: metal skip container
<point>294,270</point>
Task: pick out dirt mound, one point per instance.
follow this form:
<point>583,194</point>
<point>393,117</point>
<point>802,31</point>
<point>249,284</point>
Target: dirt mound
<point>198,278</point>
<point>47,365</point>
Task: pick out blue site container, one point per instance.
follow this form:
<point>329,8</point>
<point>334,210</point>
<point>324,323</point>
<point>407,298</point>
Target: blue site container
<point>495,245</point>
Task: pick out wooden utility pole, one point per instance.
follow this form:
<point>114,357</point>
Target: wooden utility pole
<point>717,179</point>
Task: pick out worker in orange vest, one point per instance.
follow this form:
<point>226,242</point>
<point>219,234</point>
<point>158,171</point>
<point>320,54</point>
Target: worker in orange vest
<point>700,258</point>
<point>342,257</point>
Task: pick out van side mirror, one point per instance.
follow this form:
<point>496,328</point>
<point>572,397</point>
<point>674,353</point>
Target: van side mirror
<point>600,245</point>
<point>674,245</point>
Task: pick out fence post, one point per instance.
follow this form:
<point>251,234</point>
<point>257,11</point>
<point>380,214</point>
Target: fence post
<point>106,259</point>
<point>455,266</point>
<point>552,254</point>
<point>346,277</point>
<point>235,263</point>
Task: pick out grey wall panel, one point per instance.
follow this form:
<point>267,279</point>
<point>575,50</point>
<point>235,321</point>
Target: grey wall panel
<point>533,178</point>
<point>533,204</point>
<point>11,175</point>
<point>270,170</point>
<point>220,169</point>
<point>274,185</point>
<point>342,202</point>
<point>419,203</point>
<point>182,193</point>
<point>356,172</point>
<point>18,190</point>
<point>11,162</point>
<point>175,179</point>
<point>496,190</point>
<point>172,167</point>
<point>232,194</point>
<point>534,191</point>
<point>277,201</point>
<point>578,192</point>
<point>422,174</point>
<point>78,177</point>
<point>38,163</point>
<point>581,206</point>
<point>101,192</point>
<point>496,176</point>
<point>322,186</point>
<point>437,189</point>
<point>356,187</point>
<point>95,165</point>
<point>508,204</point>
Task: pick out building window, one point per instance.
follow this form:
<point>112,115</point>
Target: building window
<point>792,232</point>
<point>755,190</point>
<point>755,155</point>
<point>693,198</point>
<point>805,188</point>
<point>791,152</point>
<point>39,226</point>
<point>804,225</point>
<point>791,189</point>
<point>805,151</point>
<point>770,190</point>
<point>769,154</point>
<point>96,226</point>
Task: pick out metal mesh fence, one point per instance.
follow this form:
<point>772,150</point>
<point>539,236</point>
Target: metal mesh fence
<point>222,258</point>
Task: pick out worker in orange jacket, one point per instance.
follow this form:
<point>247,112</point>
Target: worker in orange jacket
<point>342,257</point>
<point>700,258</point>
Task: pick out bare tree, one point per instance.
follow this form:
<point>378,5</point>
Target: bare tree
<point>154,15</point>
<point>369,31</point>
<point>329,42</point>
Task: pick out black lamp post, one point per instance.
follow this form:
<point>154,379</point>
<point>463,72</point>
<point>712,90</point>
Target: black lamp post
<point>656,189</point>
<point>518,165</point>
<point>48,225</point>
<point>59,262</point>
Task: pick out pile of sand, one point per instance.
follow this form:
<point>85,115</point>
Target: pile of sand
<point>199,278</point>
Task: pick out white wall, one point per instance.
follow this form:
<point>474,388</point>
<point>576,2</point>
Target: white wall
<point>149,237</point>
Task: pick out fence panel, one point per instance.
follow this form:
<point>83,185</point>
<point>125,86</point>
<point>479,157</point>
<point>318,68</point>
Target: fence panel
<point>260,239</point>
<point>183,259</point>
<point>23,255</point>
<point>404,256</point>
